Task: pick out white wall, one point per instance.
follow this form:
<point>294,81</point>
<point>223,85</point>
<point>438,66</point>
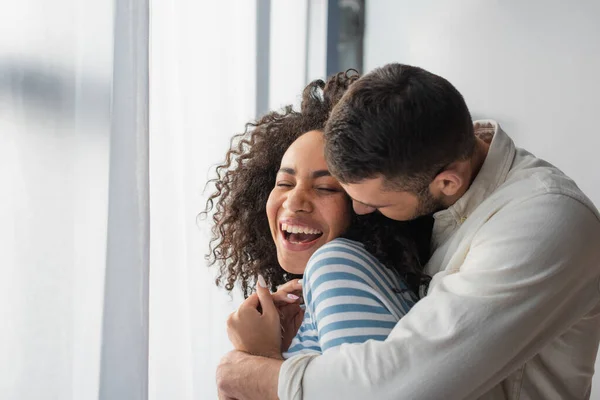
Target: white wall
<point>287,66</point>
<point>531,65</point>
<point>297,50</point>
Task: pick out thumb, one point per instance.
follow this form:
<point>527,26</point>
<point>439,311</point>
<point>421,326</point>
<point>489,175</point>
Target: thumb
<point>264,296</point>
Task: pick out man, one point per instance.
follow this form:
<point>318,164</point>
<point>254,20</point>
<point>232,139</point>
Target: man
<point>513,308</point>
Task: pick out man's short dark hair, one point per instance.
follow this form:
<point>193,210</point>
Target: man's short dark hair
<point>400,122</point>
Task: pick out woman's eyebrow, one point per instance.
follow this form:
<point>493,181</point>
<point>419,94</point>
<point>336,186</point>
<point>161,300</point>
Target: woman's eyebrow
<point>286,170</point>
<point>316,174</point>
<point>320,173</point>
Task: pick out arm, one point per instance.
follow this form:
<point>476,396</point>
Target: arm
<point>241,375</point>
<point>350,296</point>
<point>246,377</point>
<point>531,272</point>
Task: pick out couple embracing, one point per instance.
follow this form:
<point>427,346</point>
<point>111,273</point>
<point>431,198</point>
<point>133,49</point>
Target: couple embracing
<point>391,248</point>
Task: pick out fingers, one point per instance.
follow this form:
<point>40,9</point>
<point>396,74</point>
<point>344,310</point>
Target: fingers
<point>264,296</point>
<point>289,292</point>
<point>295,285</point>
<point>251,302</point>
<point>281,297</point>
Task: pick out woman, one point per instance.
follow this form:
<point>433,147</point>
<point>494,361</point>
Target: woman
<point>280,215</point>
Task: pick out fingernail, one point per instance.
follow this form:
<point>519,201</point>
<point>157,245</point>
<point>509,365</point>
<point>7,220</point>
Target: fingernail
<point>292,296</point>
<point>261,281</point>
<point>300,282</point>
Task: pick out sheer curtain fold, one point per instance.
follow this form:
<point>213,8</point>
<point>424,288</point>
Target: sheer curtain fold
<point>203,90</point>
<point>124,368</point>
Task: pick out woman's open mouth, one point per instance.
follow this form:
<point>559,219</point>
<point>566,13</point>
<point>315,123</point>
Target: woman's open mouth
<point>299,237</point>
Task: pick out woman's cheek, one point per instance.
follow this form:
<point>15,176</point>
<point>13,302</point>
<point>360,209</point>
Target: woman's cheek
<point>347,212</point>
<point>339,215</point>
<point>272,208</point>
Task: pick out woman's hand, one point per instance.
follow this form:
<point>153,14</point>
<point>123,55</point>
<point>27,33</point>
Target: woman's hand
<point>254,332</point>
<point>288,293</point>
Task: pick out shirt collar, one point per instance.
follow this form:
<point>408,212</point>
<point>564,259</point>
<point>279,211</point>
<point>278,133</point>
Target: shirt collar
<point>492,174</point>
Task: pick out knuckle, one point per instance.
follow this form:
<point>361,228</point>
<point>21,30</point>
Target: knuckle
<point>230,320</point>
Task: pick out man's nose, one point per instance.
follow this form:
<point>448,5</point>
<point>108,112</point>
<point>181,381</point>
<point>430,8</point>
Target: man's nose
<point>362,209</point>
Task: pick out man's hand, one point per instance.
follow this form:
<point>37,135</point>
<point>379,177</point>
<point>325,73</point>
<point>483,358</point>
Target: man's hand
<point>291,319</point>
<point>288,299</point>
<point>245,377</point>
<point>253,332</point>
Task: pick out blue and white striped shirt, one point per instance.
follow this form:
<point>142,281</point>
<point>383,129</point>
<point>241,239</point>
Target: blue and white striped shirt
<point>350,297</point>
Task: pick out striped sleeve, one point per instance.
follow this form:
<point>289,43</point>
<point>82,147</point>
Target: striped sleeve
<point>352,297</point>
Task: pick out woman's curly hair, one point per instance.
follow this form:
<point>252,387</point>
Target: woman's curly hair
<point>241,243</point>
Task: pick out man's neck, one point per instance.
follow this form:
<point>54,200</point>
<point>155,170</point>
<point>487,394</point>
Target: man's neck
<point>481,151</point>
<point>471,168</point>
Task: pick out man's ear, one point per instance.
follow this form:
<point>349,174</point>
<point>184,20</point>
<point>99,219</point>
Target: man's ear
<point>449,181</point>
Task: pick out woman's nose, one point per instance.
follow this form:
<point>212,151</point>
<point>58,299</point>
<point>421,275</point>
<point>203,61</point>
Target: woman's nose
<point>298,200</point>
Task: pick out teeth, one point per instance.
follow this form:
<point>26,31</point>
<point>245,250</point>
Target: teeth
<point>299,229</point>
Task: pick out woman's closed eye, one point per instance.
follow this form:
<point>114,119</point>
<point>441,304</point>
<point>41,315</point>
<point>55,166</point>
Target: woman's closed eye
<point>328,189</point>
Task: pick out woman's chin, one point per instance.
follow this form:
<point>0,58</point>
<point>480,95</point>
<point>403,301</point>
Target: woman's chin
<point>293,257</point>
<point>293,265</point>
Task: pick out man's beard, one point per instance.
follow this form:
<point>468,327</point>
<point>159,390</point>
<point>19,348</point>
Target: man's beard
<point>427,204</point>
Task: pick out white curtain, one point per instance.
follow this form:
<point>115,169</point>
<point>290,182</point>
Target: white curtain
<point>73,199</point>
<point>203,85</point>
<point>112,117</point>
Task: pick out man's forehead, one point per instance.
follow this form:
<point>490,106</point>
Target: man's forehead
<point>368,187</point>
